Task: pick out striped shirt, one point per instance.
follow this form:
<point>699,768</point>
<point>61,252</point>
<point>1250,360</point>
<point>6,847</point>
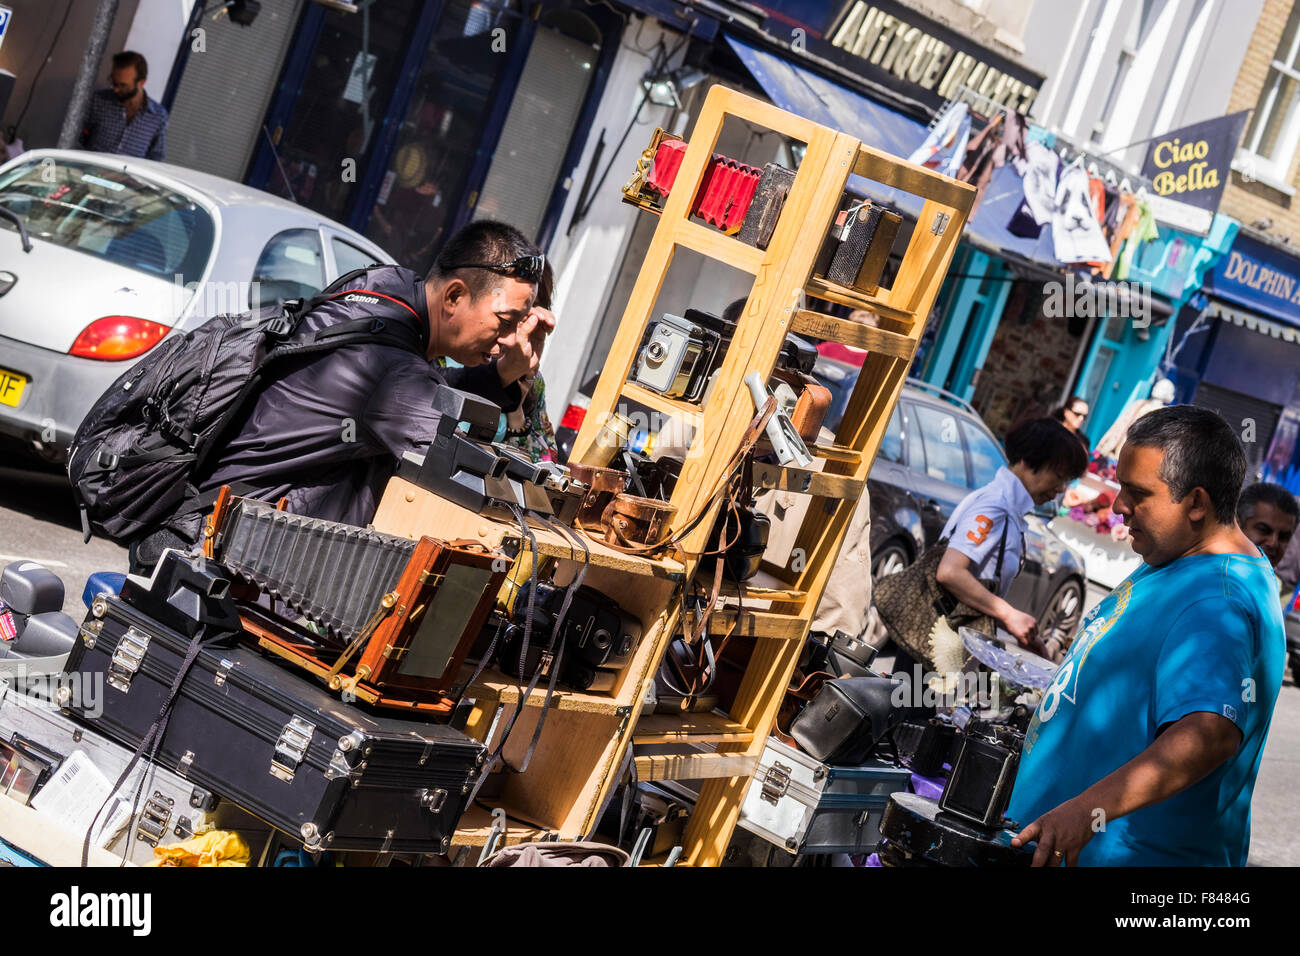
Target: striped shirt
<point>107,129</point>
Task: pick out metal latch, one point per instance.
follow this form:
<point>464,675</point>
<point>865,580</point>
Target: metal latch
<point>433,800</point>
<point>291,748</point>
<point>154,819</point>
<point>776,782</point>
<point>223,671</point>
<point>941,220</point>
<point>126,659</point>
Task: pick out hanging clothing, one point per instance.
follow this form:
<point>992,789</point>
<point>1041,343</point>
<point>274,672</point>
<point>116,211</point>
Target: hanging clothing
<point>1126,215</point>
<point>1097,193</point>
<point>1038,170</point>
<point>1144,231</point>
<point>951,132</point>
<point>1076,230</point>
<point>1003,139</point>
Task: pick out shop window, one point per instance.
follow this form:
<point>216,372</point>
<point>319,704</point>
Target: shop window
<point>440,136</point>
<point>1274,128</point>
<point>945,460</point>
<point>322,154</point>
<point>291,266</point>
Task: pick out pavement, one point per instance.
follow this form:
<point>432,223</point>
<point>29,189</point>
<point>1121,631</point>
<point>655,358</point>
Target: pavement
<point>38,521</point>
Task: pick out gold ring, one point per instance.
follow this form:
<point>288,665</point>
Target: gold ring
<point>1057,853</point>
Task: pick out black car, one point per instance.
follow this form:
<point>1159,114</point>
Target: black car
<point>936,450</point>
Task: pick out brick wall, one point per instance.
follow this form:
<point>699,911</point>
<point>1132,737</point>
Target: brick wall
<point>1249,202</point>
<point>1028,363</point>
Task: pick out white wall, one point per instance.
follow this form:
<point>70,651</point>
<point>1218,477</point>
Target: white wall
<point>156,33</point>
<point>587,262</point>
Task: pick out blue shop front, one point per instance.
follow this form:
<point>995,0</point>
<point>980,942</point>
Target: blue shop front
<point>1236,349</point>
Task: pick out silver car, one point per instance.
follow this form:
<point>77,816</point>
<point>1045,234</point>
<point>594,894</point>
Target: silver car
<point>118,253</point>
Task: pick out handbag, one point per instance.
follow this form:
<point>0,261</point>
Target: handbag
<point>847,719</point>
<point>912,602</point>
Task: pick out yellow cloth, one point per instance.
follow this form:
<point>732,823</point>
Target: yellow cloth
<point>214,848</point>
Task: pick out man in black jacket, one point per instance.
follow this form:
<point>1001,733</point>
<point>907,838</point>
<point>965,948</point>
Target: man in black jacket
<point>328,431</point>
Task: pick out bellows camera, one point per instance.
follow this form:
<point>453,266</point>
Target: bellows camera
<point>676,358</point>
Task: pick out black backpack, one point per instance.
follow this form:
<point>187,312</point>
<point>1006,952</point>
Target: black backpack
<point>139,448</point>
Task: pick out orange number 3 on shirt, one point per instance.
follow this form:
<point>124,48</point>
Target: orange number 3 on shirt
<point>985,525</point>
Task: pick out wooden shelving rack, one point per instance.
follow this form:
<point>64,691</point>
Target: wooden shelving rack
<point>776,305</point>
<point>586,737</point>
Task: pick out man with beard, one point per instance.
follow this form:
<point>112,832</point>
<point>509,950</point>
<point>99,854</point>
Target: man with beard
<point>124,119</point>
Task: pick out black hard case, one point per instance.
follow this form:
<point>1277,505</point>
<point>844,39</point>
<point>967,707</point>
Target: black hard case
<point>238,727</point>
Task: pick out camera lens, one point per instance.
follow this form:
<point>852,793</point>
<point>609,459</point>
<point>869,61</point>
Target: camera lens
<point>602,638</point>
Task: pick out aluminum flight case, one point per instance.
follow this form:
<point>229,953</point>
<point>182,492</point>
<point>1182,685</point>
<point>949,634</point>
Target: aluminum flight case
<point>171,808</point>
<point>276,744</point>
<point>806,806</point>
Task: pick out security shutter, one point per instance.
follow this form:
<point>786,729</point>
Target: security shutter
<point>224,92</point>
<point>537,131</point>
<point>1241,410</point>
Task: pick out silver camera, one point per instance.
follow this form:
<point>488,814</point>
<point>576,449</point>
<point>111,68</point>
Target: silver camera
<point>676,358</point>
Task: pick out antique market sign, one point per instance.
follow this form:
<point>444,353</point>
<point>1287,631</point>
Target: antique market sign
<point>1191,164</point>
<point>943,63</point>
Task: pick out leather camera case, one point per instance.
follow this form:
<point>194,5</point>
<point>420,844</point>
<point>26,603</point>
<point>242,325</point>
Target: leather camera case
<point>847,719</point>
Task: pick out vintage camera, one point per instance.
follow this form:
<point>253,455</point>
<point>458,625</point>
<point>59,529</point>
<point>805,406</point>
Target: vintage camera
<point>677,356</point>
<point>979,787</point>
<point>464,466</point>
<point>598,637</point>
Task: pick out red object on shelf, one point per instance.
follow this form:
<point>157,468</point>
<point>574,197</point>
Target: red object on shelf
<point>746,184</point>
<point>667,161</point>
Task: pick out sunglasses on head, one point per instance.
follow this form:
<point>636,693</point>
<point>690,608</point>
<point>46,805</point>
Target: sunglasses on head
<point>528,268</point>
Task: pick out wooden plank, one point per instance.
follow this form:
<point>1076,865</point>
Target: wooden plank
<point>805,481</point>
<point>409,511</point>
<point>673,408</point>
<point>496,686</point>
<point>762,624</point>
<point>476,825</point>
<point>704,766</point>
<point>709,242</point>
<point>762,113</point>
<point>891,318</point>
<point>692,728</point>
<point>758,593</point>
<point>882,167</point>
<point>856,334</point>
<point>837,453</point>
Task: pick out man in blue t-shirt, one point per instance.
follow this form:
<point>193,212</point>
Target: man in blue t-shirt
<point>1144,750</point>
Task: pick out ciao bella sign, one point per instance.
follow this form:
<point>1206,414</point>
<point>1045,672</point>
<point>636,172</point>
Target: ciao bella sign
<point>1191,164</point>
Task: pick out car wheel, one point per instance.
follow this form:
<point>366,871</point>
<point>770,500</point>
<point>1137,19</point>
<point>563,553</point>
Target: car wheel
<point>891,559</point>
<point>1061,618</point>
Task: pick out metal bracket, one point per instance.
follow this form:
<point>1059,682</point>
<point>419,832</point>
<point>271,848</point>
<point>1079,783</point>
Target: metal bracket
<point>291,748</point>
<point>155,819</point>
<point>90,632</point>
<point>183,765</point>
<point>433,800</point>
<point>126,659</point>
<point>223,671</point>
<point>941,220</point>
<point>776,782</point>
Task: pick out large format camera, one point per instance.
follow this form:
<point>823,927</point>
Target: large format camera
<point>597,636</point>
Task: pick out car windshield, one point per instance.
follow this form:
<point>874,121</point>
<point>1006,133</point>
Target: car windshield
<point>112,215</point>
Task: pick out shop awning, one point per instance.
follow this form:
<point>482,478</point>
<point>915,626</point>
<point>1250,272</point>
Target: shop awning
<point>1256,323</point>
<point>814,97</point>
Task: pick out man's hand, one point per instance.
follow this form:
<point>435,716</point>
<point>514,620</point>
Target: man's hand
<point>1061,834</point>
<point>521,353</point>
